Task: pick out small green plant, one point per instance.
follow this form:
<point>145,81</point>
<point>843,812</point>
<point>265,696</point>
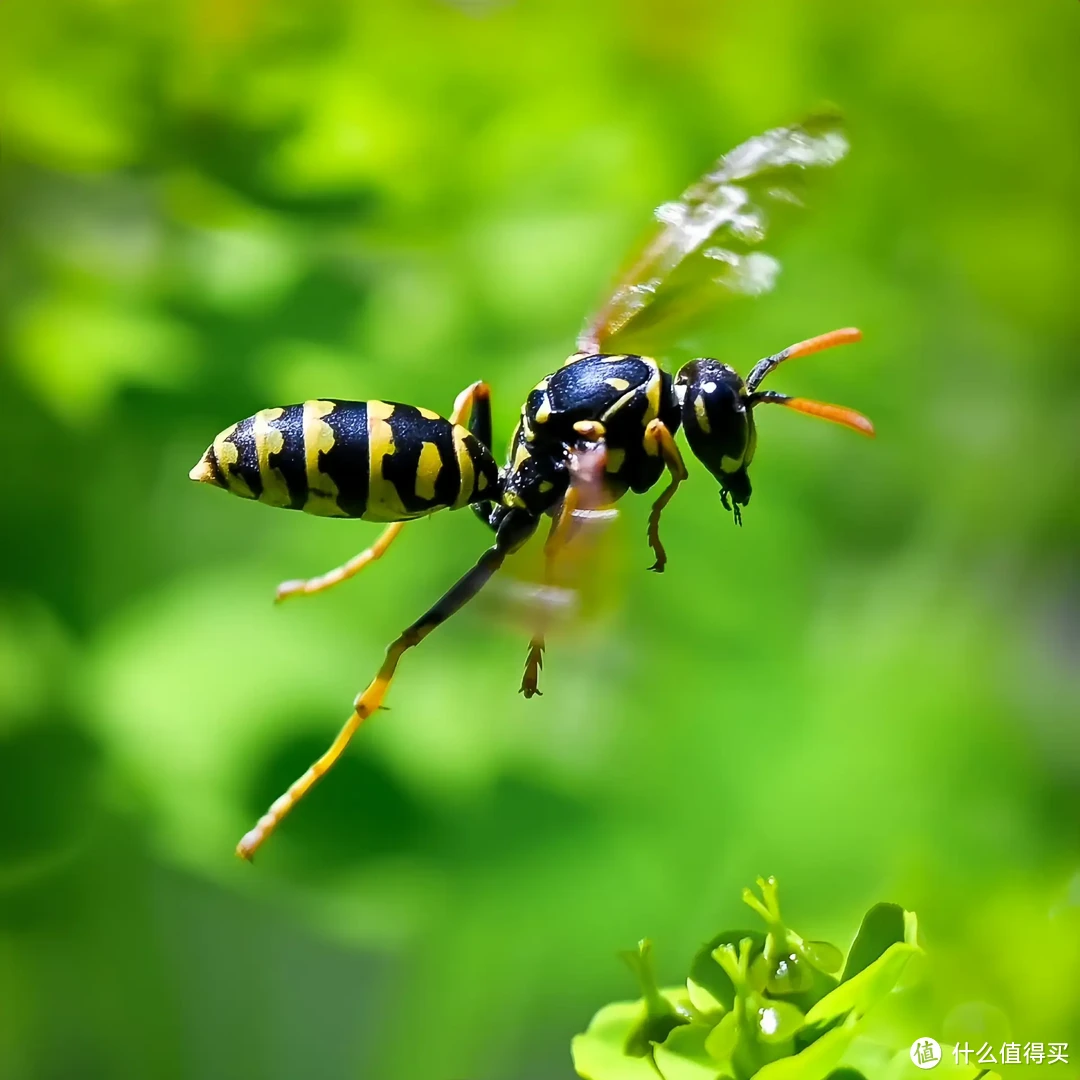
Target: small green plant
<point>764,1004</point>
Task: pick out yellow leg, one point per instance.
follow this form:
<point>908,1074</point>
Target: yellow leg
<point>584,493</point>
<point>342,573</point>
<point>556,539</point>
<point>515,529</point>
<point>477,393</point>
<point>658,440</point>
<point>367,703</point>
<point>463,403</point>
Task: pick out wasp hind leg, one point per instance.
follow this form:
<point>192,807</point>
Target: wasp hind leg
<point>515,529</point>
<point>473,402</point>
<point>659,440</point>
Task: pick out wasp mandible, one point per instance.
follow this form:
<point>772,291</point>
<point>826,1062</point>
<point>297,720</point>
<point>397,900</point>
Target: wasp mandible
<point>603,412</point>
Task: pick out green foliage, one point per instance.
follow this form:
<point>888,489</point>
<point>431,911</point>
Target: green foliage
<point>776,1010</point>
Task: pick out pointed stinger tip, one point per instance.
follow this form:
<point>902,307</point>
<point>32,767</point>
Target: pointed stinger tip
<point>205,471</point>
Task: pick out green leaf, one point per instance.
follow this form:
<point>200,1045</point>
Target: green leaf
<point>721,1042</point>
<point>824,956</point>
<point>882,926</point>
<point>789,966</point>
<point>816,986</point>
<point>901,1067</point>
<point>782,975</point>
<point>867,1057</point>
<point>661,1012</point>
<point>778,1021</point>
<point>859,994</point>
<point>710,976</point>
<point>600,1053</point>
<point>703,1002</point>
<point>816,1061</point>
<point>682,1056</point>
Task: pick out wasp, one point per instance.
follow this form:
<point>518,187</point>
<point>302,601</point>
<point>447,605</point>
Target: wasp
<point>605,419</point>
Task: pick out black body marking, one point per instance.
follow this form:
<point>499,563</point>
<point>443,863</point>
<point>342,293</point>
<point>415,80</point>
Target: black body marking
<point>246,465</point>
<point>289,460</point>
<point>624,393</point>
<point>402,468</point>
<point>346,462</point>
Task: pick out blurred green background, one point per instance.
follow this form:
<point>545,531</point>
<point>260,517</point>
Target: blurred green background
<point>871,690</point>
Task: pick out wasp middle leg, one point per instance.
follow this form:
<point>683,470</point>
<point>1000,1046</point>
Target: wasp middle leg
<point>584,493</point>
<point>474,403</point>
<point>515,530</point>
<point>310,586</point>
<point>659,440</point>
<point>557,537</point>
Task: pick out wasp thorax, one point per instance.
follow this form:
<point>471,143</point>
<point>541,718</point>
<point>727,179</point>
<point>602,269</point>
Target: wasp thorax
<point>719,423</point>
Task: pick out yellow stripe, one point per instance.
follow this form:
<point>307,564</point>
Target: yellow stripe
<point>384,503</point>
<point>751,442</point>
<point>543,410</point>
<point>428,414</point>
<point>465,466</point>
<point>628,396</point>
<point>702,415</point>
<point>227,454</point>
<point>618,384</point>
<point>269,440</point>
<point>428,467</point>
<point>319,436</point>
<point>652,391</point>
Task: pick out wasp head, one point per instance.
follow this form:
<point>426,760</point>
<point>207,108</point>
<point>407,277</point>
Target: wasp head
<point>719,423</point>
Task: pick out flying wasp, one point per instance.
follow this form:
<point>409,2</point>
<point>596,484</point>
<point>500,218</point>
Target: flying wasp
<point>605,420</point>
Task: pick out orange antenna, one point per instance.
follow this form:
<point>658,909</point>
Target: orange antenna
<point>846,336</point>
<point>838,414</point>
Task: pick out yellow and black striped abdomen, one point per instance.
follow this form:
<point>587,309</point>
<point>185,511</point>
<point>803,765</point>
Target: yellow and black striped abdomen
<point>377,460</point>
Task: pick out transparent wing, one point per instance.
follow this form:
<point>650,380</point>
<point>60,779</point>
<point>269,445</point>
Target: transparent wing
<point>571,595</point>
<point>708,244</point>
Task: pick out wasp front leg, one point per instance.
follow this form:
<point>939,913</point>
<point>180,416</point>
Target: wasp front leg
<point>474,404</point>
<point>659,440</point>
<point>515,530</point>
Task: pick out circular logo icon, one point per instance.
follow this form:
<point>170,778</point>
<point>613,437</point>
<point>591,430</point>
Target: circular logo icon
<point>925,1052</point>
